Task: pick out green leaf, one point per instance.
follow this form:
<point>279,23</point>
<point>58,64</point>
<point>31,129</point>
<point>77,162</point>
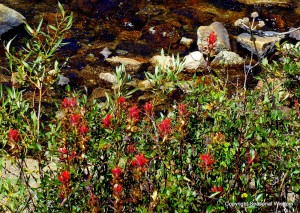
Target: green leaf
<point>62,10</point>
<point>260,197</point>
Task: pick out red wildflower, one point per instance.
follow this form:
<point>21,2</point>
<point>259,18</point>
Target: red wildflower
<point>130,148</point>
<point>83,129</point>
<point>13,135</point>
<point>63,150</point>
<point>69,102</point>
<point>252,156</point>
<point>217,189</point>
<point>75,119</point>
<point>118,188</point>
<point>116,172</point>
<point>72,156</point>
<point>134,113</point>
<point>139,161</point>
<point>148,108</point>
<point>212,38</point>
<point>165,127</point>
<point>106,122</point>
<point>207,160</point>
<point>121,100</point>
<point>182,109</point>
<point>64,177</point>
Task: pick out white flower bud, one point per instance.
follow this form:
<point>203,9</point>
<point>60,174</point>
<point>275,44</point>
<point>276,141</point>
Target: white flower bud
<point>254,15</point>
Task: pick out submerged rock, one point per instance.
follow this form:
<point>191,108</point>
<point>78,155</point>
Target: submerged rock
<point>130,64</point>
<point>264,45</point>
<point>9,18</point>
<point>222,42</point>
<point>280,3</point>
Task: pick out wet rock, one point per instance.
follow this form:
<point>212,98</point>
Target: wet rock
<point>130,35</point>
<point>151,10</point>
<point>186,41</point>
<point>194,60</point>
<point>161,60</point>
<point>161,35</point>
<point>63,80</point>
<point>108,77</point>
<point>192,16</point>
<point>9,18</point>
<point>227,58</point>
<point>137,48</point>
<point>295,34</point>
<point>280,3</point>
<point>222,42</point>
<point>264,45</point>
<point>130,64</point>
<point>105,52</point>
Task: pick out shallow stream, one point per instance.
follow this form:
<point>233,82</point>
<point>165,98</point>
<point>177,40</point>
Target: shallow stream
<point>123,27</point>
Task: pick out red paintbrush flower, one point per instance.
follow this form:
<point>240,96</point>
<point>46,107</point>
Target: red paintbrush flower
<point>212,39</point>
<point>13,135</point>
<point>64,177</point>
<point>134,113</point>
<point>116,172</point>
<point>148,108</point>
<point>165,127</point>
<point>106,122</point>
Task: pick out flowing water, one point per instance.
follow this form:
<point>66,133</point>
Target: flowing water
<point>123,27</point>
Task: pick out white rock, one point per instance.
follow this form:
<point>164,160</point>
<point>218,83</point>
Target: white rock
<point>108,77</point>
<point>105,52</point>
<point>186,41</point>
<point>130,64</point>
<point>194,60</point>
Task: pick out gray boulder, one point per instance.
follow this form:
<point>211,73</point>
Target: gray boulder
<point>9,18</point>
<point>227,58</point>
<point>222,42</point>
<point>295,34</point>
<point>264,45</point>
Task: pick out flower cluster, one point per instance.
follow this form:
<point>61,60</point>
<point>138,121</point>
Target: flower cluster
<point>117,172</point>
<point>64,177</point>
<point>139,161</point>
<point>65,155</point>
<point>211,40</point>
<point>106,122</point>
<point>13,135</point>
<point>182,111</point>
<point>245,23</point>
<point>134,113</point>
<point>217,189</point>
<point>207,161</point>
<point>148,107</point>
<point>68,103</point>
<point>164,127</point>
